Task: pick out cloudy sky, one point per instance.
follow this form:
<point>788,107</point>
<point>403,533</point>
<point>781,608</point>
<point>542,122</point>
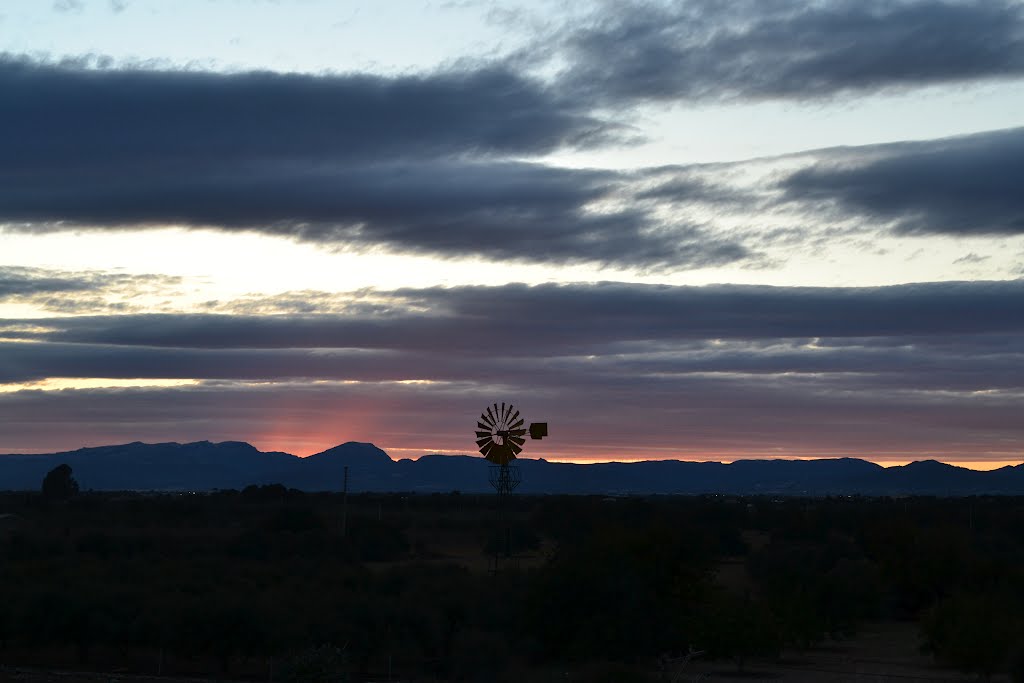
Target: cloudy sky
<point>692,229</point>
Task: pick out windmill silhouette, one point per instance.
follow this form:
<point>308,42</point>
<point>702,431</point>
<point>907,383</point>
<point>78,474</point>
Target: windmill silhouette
<point>500,436</point>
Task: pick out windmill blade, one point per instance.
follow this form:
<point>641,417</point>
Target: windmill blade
<point>501,433</point>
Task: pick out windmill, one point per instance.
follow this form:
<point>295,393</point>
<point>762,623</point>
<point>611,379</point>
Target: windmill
<point>500,436</point>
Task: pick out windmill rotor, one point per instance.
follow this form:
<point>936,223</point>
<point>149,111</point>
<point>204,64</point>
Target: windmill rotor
<point>501,433</point>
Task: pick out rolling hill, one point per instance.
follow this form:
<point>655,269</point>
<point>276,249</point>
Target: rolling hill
<point>203,466</point>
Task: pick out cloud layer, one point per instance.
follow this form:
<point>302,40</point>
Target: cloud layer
<point>447,163</point>
<point>551,318</point>
<point>669,370</point>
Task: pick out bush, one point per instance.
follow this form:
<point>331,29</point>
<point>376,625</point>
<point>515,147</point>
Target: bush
<point>323,664</point>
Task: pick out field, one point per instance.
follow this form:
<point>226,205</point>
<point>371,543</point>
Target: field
<point>270,584</point>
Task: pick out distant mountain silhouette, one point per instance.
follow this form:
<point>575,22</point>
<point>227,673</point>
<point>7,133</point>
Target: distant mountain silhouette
<point>203,466</point>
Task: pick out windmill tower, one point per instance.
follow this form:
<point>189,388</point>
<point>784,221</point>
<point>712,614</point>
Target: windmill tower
<point>500,436</point>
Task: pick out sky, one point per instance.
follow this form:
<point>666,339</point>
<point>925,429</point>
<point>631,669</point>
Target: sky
<point>695,229</point>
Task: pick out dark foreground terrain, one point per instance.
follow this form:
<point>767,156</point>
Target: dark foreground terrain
<point>270,584</point>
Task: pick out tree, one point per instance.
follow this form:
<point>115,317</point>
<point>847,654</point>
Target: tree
<point>59,484</point>
<point>738,628</point>
<point>323,664</point>
<point>974,632</point>
<point>645,581</point>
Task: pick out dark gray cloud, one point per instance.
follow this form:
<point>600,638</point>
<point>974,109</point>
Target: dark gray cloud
<point>971,185</point>
<point>499,210</point>
<point>70,116</point>
<point>704,50</point>
<point>32,362</point>
<point>553,319</point>
<point>848,364</point>
<point>413,164</point>
<point>695,415</point>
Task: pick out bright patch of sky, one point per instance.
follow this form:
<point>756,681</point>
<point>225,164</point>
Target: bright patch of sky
<point>310,36</point>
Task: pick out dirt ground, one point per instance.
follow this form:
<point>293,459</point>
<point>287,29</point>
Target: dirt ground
<point>44,676</point>
<point>882,653</point>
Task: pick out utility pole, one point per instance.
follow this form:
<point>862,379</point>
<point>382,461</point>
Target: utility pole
<point>344,505</point>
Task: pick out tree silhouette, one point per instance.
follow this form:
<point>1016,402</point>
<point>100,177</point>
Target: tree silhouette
<point>59,484</point>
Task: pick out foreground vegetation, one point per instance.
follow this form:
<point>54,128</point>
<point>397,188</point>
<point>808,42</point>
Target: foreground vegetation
<point>274,584</point>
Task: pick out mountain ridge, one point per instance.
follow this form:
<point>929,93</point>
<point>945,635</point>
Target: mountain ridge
<point>205,465</point>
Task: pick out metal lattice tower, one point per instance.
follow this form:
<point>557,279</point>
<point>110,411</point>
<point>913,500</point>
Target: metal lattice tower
<point>504,478</point>
<point>500,436</point>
